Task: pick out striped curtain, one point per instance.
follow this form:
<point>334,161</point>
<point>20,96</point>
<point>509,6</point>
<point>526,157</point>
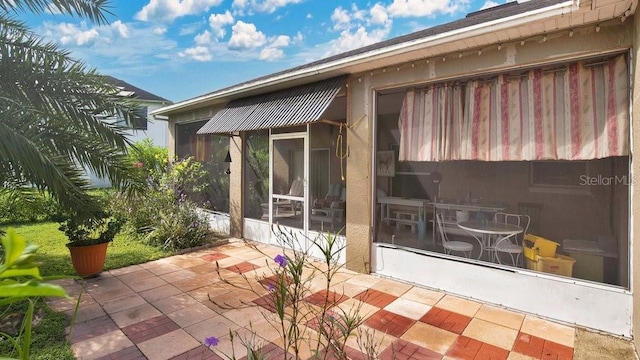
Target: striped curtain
<point>577,112</point>
<point>428,120</point>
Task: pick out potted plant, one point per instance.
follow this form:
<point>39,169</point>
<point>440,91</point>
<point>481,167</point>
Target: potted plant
<point>88,241</point>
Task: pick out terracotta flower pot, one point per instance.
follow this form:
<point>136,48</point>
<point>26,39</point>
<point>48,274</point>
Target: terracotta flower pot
<point>88,260</point>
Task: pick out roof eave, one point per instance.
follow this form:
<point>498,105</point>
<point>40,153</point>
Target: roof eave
<point>342,64</point>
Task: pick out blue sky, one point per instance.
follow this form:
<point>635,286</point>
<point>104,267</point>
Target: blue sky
<point>179,49</point>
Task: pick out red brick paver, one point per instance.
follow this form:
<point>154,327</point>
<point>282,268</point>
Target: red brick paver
<point>200,353</point>
<point>464,348</point>
<point>389,323</point>
<point>150,329</point>
<point>130,353</point>
<point>404,350</point>
<point>376,298</point>
<point>242,267</point>
<point>214,256</point>
<point>554,351</point>
<point>332,298</point>
<point>92,328</point>
<point>446,320</point>
<point>529,345</point>
<point>490,352</point>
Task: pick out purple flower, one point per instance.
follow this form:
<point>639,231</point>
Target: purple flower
<point>211,341</point>
<point>271,287</point>
<point>280,260</point>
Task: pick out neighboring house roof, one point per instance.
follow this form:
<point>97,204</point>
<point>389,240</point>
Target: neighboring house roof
<point>135,92</point>
<point>485,23</point>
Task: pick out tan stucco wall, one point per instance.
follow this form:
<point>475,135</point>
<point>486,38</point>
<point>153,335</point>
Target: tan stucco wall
<point>360,119</point>
<point>558,47</point>
<point>635,170</point>
<point>236,185</point>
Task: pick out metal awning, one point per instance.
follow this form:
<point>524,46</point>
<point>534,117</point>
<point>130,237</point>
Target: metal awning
<point>289,107</point>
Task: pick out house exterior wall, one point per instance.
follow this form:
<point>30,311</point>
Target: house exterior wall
<point>635,193</point>
<point>157,131</point>
<point>358,215</point>
<point>236,185</point>
<point>558,47</point>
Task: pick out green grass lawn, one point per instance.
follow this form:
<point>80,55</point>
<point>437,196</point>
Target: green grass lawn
<point>54,257</point>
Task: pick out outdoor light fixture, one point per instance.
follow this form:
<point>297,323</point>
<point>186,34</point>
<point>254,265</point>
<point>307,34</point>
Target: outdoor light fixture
<point>227,159</point>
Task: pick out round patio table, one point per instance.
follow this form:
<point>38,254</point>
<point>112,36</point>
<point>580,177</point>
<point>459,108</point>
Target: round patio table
<point>488,231</point>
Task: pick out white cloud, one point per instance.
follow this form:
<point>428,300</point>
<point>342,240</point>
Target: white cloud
<point>415,8</point>
<point>379,14</point>
<point>159,30</point>
<point>204,38</point>
<point>281,41</point>
<point>298,38</point>
<point>340,18</point>
<point>274,50</point>
<point>268,6</point>
<point>198,53</point>
<point>218,21</point>
<point>489,4</point>
<point>121,28</point>
<point>141,48</point>
<point>309,16</point>
<point>245,36</point>
<point>354,18</point>
<point>271,54</point>
<point>361,37</point>
<point>240,4</point>
<point>169,10</point>
<point>190,28</point>
<point>71,34</point>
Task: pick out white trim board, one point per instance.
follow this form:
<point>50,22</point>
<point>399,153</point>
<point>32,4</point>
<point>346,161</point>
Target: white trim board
<point>591,306</point>
<point>260,231</point>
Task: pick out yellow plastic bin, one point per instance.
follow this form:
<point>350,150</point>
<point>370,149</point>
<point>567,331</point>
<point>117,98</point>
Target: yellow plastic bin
<point>559,264</point>
<point>536,245</point>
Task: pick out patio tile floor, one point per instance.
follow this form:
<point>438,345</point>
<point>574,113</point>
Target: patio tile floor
<point>162,310</point>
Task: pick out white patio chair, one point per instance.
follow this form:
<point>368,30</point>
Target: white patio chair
<point>297,189</point>
<point>449,246</point>
<point>511,245</point>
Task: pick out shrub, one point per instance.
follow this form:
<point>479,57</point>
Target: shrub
<point>163,212</point>
<point>19,205</point>
<point>152,160</point>
<point>141,212</point>
<point>179,227</point>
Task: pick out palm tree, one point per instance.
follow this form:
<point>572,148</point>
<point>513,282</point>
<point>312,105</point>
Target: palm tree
<point>49,109</point>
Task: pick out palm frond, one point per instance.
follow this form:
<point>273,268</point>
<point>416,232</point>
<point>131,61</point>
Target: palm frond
<point>51,107</point>
<point>94,10</point>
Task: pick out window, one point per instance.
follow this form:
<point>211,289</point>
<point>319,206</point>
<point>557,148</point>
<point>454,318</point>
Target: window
<point>210,150</point>
<point>256,174</point>
<point>140,118</point>
<point>558,173</point>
